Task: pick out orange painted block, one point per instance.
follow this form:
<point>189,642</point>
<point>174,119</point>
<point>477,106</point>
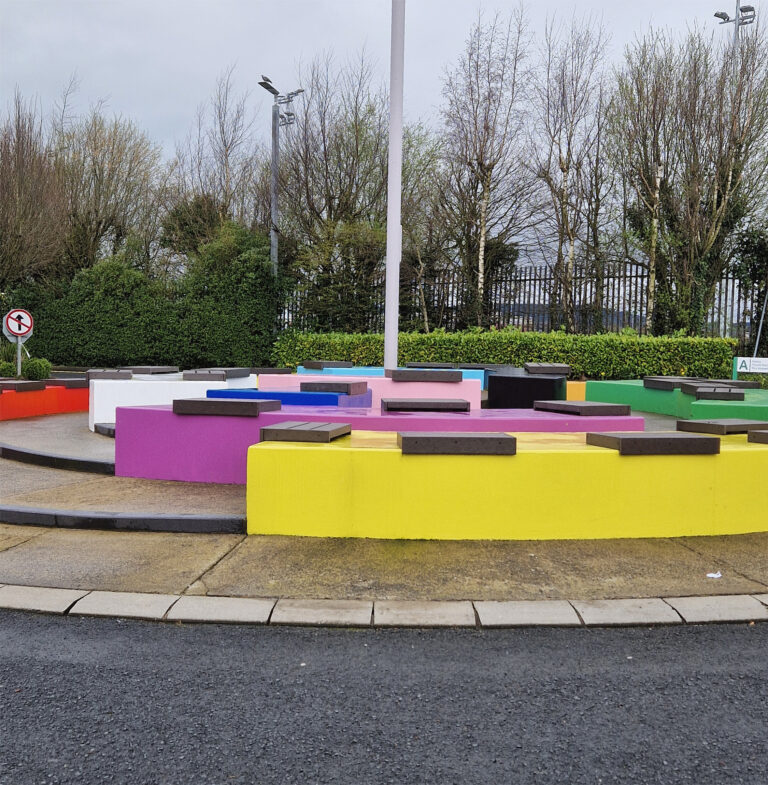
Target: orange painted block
<point>71,400</point>
<point>52,400</point>
<point>576,391</point>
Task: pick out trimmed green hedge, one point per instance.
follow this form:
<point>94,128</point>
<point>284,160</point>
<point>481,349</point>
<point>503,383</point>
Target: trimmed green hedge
<point>592,356</point>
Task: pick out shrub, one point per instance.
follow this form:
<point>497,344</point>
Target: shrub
<point>7,369</point>
<point>35,368</point>
<point>607,356</point>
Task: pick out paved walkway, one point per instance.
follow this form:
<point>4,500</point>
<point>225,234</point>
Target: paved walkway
<point>539,582</point>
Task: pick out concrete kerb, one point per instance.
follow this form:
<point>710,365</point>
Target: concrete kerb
<point>638,612</point>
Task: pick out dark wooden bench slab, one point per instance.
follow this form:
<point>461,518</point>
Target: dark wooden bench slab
<point>263,369</point>
<point>345,388</point>
<point>444,366</point>
<point>225,407</point>
<point>548,369</point>
<point>584,408</point>
<point>708,392</point>
<point>656,443</point>
<point>668,382</point>
<point>416,375</point>
<point>150,369</point>
<point>721,427</point>
<point>317,432</point>
<point>759,437</point>
<point>20,385</point>
<point>424,405</point>
<point>70,384</point>
<point>107,373</point>
<point>105,429</point>
<point>215,374</point>
<point>319,365</point>
<point>741,384</point>
<point>426,443</point>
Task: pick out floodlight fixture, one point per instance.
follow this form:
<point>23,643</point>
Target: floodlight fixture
<point>269,87</point>
<point>722,15</point>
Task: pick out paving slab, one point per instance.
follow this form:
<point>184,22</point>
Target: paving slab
<point>403,613</point>
<point>527,613</point>
<point>328,613</point>
<point>744,556</point>
<point>738,607</point>
<point>610,613</point>
<point>221,610</point>
<point>124,604</point>
<point>154,562</point>
<point>37,598</point>
<point>297,567</point>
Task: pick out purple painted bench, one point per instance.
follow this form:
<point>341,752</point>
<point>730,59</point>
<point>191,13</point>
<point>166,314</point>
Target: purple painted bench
<point>154,443</point>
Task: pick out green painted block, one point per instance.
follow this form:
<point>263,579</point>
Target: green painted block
<point>675,403</point>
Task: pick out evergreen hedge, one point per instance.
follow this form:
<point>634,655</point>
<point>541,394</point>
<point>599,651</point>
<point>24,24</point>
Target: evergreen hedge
<point>607,356</point>
<point>222,313</point>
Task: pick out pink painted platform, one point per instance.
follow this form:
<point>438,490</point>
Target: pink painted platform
<point>154,443</point>
<point>381,387</point>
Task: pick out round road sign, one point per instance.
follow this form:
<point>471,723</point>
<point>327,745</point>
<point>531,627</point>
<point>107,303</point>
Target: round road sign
<point>18,322</point>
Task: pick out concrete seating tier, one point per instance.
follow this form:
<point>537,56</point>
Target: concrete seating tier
<point>154,443</point>
<point>673,401</point>
<point>600,493</point>
<point>107,394</point>
<point>382,387</point>
<point>298,398</point>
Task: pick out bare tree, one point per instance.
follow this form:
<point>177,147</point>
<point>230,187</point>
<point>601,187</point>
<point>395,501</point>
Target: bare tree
<point>107,168</point>
<point>32,205</point>
<point>565,140</point>
<point>488,183</point>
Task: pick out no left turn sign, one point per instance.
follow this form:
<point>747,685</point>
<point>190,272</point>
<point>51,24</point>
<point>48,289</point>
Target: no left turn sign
<point>18,323</point>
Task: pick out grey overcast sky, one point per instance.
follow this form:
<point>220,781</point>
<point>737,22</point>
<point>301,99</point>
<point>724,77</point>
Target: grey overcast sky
<point>155,61</point>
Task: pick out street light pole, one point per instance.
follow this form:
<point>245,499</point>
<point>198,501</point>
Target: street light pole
<point>394,185</point>
<point>745,15</point>
<point>279,119</point>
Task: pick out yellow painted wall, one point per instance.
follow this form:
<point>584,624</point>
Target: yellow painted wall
<point>556,487</point>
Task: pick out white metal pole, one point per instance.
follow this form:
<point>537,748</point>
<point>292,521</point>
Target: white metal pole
<point>273,214</point>
<point>394,185</point>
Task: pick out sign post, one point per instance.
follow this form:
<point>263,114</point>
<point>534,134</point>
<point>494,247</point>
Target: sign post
<point>17,327</point>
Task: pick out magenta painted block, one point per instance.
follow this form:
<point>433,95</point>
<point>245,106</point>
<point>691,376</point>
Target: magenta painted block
<point>382,387</point>
<point>154,443</point>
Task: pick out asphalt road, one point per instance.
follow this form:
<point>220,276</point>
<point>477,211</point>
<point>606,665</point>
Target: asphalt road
<point>95,701</point>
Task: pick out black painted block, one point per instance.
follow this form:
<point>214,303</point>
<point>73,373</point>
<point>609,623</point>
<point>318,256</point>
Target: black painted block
<point>416,375</point>
<point>316,432</point>
<point>759,437</point>
<point>520,392</point>
<point>319,365</point>
<point>107,373</point>
<point>431,365</point>
<point>653,443</point>
<point>584,408</point>
<point>224,407</point>
<point>105,429</point>
<point>424,405</point>
<point>721,427</point>
<point>21,385</point>
<point>548,369</point>
<point>346,388</point>
<point>426,443</point>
